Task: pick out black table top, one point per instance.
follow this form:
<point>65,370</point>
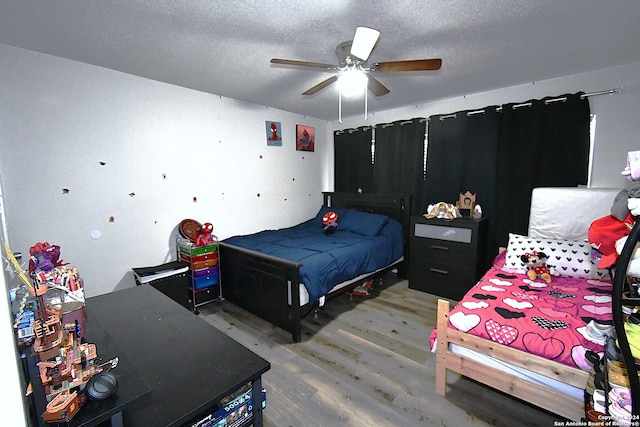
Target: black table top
<point>188,364</point>
<point>131,387</point>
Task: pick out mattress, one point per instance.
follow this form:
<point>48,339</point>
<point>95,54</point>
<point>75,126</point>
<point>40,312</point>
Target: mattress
<point>567,212</point>
<point>304,295</point>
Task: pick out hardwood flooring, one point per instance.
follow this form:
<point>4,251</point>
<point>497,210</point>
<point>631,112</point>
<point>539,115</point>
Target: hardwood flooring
<point>366,362</point>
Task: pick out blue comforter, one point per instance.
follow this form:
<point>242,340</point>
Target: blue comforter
<point>361,244</point>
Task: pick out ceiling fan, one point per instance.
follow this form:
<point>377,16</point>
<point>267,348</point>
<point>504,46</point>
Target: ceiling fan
<point>353,56</point>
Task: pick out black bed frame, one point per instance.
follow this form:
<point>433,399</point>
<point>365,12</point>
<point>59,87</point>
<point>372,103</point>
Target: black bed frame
<point>261,284</point>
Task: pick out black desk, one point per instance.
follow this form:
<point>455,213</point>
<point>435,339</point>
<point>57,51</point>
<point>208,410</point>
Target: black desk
<point>189,364</point>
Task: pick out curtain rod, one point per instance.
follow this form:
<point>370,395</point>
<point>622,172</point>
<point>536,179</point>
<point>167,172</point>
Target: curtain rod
<point>603,92</point>
<point>352,130</point>
<point>524,104</point>
<point>547,101</point>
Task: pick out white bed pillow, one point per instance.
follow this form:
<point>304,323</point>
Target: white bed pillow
<point>568,258</point>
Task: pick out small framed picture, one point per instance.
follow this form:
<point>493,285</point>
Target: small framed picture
<point>274,133</point>
<point>305,138</point>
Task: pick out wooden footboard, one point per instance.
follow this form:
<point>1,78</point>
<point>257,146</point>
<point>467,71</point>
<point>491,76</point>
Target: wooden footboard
<point>565,406</point>
<point>264,285</point>
<point>261,284</point>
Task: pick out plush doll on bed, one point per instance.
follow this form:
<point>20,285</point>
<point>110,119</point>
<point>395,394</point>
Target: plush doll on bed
<point>329,222</point>
<point>537,267</point>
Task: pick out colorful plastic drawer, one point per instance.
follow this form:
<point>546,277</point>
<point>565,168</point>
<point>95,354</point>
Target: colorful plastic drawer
<point>205,281</point>
<point>204,257</point>
<point>205,264</point>
<point>199,250</point>
<point>205,272</point>
<point>199,258</point>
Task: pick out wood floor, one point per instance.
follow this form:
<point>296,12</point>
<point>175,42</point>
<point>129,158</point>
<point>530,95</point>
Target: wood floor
<point>366,362</point>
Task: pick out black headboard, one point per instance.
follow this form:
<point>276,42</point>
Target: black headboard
<point>397,206</point>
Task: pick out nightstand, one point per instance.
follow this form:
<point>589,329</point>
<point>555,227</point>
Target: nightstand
<point>446,257</point>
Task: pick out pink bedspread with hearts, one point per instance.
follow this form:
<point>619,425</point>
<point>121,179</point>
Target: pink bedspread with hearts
<point>545,319</point>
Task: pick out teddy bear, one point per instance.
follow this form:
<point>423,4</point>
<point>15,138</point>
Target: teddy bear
<point>537,267</point>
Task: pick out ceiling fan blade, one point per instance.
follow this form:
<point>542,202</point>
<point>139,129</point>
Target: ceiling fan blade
<point>320,85</point>
<point>410,65</point>
<point>363,42</point>
<point>327,67</point>
<point>377,88</point>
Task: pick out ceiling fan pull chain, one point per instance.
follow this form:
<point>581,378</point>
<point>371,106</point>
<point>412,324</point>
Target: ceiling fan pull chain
<point>339,105</point>
<point>366,98</point>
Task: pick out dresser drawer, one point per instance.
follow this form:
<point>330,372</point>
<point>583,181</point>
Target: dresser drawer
<point>444,251</point>
<point>442,279</point>
<point>449,234</point>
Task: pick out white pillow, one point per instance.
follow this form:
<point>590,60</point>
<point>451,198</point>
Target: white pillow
<point>568,258</point>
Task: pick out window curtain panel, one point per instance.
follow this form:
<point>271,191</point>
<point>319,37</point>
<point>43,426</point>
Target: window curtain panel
<point>398,165</point>
<point>462,155</point>
<point>544,144</point>
<point>503,153</point>
<point>353,167</point>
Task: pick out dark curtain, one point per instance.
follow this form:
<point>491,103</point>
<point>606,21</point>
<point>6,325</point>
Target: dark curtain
<point>502,154</point>
<point>398,165</point>
<point>545,144</point>
<point>462,154</point>
<point>353,166</point>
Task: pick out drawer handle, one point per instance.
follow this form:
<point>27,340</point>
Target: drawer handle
<point>437,270</point>
<point>441,248</point>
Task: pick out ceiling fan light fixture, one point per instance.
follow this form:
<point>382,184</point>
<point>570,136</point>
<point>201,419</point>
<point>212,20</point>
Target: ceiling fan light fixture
<point>352,82</point>
<point>363,42</point>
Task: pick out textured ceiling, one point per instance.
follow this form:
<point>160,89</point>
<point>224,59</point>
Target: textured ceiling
<point>225,47</point>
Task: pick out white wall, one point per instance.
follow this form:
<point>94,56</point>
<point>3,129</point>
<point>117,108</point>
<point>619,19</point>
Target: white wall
<point>618,127</point>
<point>59,119</point>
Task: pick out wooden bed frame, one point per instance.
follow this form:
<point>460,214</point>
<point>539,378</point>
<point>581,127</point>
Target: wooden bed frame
<point>547,219</point>
<point>558,403</point>
<point>264,284</point>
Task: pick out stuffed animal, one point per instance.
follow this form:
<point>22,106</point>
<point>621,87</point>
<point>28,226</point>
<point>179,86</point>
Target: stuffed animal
<point>330,222</point>
<point>535,261</point>
<point>442,210</point>
<point>205,237</point>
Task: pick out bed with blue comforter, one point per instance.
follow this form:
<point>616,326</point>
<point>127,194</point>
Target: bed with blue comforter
<point>362,243</point>
<point>261,272</point>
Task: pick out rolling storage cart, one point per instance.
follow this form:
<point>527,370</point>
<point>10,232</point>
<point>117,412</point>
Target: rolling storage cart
<point>204,271</point>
